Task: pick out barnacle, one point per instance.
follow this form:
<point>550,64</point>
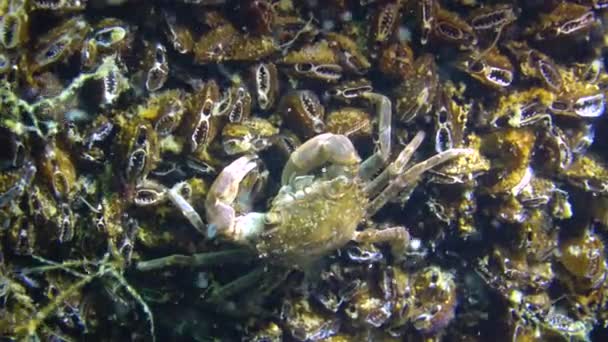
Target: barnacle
<point>396,60</point>
<point>58,5</point>
<point>426,15</point>
<point>107,37</point>
<point>351,57</point>
<point>355,123</point>
<point>584,259</point>
<point>58,170</point>
<point>266,81</point>
<point>524,108</point>
<point>464,169</point>
<point>449,28</point>
<point>536,64</point>
<point>587,173</point>
<point>579,99</point>
<point>164,109</point>
<point>60,43</point>
<point>513,148</point>
<point>179,35</point>
<point>138,149</point>
<point>238,105</point>
<point>248,136</point>
<point>451,119</point>
<point>304,113</point>
<point>436,300</point>
<point>350,91</point>
<point>225,43</point>
<point>158,71</point>
<point>318,61</point>
<point>492,17</point>
<point>386,20</point>
<point>13,29</point>
<point>369,306</point>
<point>491,68</point>
<point>200,125</point>
<point>416,95</point>
<point>304,322</point>
<point>566,20</point>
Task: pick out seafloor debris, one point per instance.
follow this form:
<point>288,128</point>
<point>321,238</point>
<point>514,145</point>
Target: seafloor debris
<point>258,170</point>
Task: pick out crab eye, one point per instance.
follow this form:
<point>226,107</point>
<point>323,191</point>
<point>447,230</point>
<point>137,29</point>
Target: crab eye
<point>271,219</point>
<point>337,187</point>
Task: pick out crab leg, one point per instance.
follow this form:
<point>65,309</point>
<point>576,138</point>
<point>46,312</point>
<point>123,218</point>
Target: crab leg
<point>384,111</point>
<point>322,149</point>
<point>262,278</point>
<point>395,168</point>
<point>150,193</point>
<point>187,210</point>
<point>237,286</point>
<point>411,175</point>
<point>195,260</point>
<point>398,237</point>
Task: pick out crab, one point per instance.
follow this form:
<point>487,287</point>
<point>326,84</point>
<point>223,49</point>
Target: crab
<point>326,193</point>
<point>327,198</point>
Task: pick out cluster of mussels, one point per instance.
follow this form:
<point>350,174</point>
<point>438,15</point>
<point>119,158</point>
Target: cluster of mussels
<point>135,133</point>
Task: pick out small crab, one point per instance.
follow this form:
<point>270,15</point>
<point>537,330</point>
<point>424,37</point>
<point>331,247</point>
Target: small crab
<point>326,193</point>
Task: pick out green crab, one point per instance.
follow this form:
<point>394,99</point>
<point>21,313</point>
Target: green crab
<point>326,192</point>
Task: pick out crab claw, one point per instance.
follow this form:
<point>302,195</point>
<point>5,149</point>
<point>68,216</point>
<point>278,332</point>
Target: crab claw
<point>322,149</point>
<point>219,205</point>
